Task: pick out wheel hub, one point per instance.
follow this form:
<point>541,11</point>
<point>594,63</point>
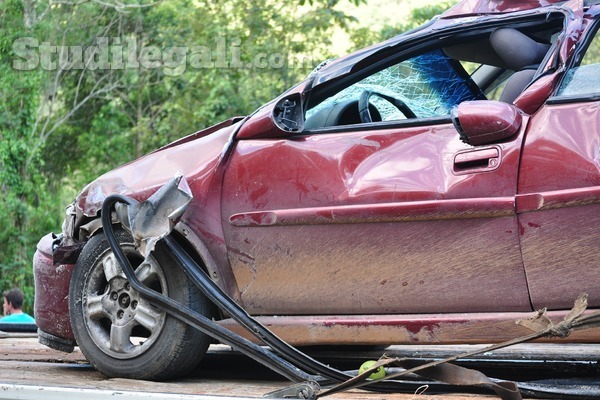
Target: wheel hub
<point>121,322</point>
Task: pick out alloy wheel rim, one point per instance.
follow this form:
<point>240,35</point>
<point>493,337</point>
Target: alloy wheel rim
<point>118,319</point>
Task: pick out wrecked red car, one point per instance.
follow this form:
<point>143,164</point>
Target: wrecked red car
<point>433,188</point>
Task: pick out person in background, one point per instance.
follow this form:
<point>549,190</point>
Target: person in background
<point>13,308</point>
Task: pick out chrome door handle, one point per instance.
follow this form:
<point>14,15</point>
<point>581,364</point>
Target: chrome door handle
<point>478,160</point>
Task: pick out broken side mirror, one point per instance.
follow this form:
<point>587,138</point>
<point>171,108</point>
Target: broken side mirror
<point>288,115</point>
<point>485,121</point>
<point>278,119</point>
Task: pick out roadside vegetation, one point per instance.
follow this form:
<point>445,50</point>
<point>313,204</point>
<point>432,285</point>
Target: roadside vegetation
<point>75,101</point>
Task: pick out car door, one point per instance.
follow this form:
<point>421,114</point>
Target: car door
<point>559,187</point>
<point>395,216</point>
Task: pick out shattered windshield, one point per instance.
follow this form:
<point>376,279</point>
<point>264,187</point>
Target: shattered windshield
<point>429,85</point>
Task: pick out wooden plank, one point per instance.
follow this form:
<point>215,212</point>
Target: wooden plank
<point>224,372</point>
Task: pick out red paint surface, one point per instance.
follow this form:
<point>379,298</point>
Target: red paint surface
<point>384,212</point>
<point>488,122</point>
<point>404,329</point>
<point>51,292</point>
<point>560,191</point>
<point>341,212</point>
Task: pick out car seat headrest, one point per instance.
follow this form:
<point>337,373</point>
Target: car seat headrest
<point>516,49</point>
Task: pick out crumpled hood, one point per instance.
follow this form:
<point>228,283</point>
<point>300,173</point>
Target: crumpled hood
<point>194,156</point>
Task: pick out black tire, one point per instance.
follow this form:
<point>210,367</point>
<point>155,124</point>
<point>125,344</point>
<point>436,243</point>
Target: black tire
<point>106,313</point>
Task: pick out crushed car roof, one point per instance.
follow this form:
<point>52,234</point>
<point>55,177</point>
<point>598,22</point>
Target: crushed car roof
<point>467,8</point>
<point>479,7</point>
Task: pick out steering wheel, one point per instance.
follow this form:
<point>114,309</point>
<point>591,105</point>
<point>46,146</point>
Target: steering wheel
<point>363,105</point>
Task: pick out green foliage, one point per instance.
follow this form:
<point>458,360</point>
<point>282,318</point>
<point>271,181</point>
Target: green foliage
<point>418,16</point>
<point>592,52</point>
<point>20,163</point>
<point>330,3</point>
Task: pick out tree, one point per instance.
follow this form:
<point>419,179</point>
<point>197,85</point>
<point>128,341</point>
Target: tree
<point>364,36</point>
<point>20,163</point>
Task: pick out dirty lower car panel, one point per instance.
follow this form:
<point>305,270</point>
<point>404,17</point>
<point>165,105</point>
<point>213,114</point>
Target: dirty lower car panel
<point>430,189</point>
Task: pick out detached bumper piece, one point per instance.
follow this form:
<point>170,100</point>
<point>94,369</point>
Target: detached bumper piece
<point>154,219</point>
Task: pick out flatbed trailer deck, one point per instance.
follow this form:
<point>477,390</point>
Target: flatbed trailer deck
<point>29,370</point>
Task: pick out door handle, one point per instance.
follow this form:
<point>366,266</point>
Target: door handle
<point>478,160</point>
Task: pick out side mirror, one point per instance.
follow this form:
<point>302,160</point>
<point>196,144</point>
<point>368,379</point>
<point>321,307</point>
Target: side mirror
<point>288,115</point>
<point>485,121</point>
<point>275,120</point>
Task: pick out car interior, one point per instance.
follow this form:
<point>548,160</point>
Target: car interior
<point>493,63</point>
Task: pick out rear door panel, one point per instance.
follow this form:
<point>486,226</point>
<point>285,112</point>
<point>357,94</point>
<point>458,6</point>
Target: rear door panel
<point>559,204</point>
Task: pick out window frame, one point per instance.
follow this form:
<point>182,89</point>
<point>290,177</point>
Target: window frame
<point>454,68</point>
<point>575,62</point>
<point>406,50</point>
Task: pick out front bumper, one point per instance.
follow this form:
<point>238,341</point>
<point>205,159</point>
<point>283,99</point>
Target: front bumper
<point>52,297</point>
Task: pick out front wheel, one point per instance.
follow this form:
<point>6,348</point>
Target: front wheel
<point>117,329</point>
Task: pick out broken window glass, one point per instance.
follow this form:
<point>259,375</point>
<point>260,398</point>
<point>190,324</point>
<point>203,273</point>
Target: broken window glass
<point>429,84</point>
<point>584,79</point>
